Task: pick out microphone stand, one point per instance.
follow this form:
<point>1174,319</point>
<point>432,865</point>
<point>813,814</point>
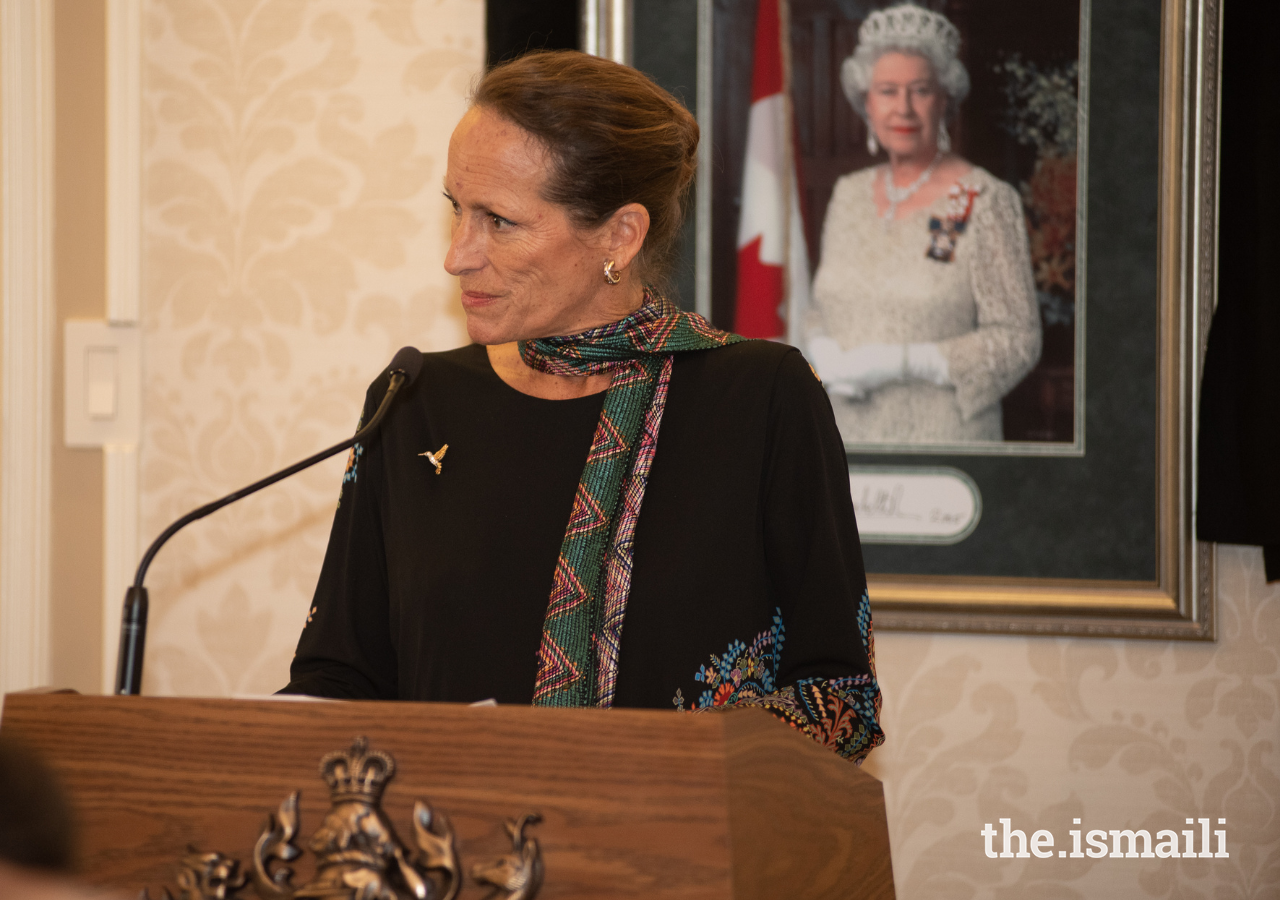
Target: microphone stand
<point>133,624</point>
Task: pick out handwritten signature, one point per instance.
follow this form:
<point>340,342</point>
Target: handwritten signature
<point>878,503</point>
<point>881,503</point>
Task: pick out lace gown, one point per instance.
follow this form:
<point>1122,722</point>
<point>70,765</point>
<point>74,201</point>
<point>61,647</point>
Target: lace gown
<point>877,285</point>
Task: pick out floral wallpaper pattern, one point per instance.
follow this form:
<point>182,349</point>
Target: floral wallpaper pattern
<point>1119,734</point>
<point>293,153</point>
<point>294,231</point>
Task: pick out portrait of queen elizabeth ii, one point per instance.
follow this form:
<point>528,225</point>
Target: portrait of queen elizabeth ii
<point>941,225</point>
<point>924,307</point>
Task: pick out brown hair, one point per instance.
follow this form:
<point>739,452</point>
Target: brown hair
<point>614,138</point>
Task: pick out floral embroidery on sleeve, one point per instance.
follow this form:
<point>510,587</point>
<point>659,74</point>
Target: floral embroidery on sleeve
<point>353,461</point>
<point>741,672</point>
<point>842,714</point>
<point>353,458</point>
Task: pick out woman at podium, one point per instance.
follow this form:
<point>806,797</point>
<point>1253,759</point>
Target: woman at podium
<point>603,500</point>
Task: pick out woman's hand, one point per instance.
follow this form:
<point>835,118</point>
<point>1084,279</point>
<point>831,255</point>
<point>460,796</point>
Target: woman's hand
<point>856,372</point>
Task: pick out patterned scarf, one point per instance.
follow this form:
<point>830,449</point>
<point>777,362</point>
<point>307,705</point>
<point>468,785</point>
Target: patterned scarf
<point>578,656</point>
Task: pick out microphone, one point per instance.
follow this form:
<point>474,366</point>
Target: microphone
<point>404,369</point>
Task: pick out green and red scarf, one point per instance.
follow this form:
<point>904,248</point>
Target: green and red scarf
<point>578,655</point>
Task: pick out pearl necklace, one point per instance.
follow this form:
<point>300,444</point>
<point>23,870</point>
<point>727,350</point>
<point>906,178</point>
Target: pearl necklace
<point>896,195</point>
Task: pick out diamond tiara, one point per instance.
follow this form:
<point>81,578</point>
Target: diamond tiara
<point>911,26</point>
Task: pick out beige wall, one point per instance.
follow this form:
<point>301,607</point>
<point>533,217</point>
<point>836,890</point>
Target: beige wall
<point>79,259</point>
<point>2,535</point>
<point>293,233</point>
<point>1120,734</point>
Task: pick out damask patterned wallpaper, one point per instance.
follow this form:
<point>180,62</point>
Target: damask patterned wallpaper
<point>1118,734</point>
<point>294,233</point>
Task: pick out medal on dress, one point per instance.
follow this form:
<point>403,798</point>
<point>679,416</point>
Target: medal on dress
<point>945,232</point>
<point>436,459</point>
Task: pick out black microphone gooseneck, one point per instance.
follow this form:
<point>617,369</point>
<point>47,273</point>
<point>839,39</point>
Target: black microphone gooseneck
<point>404,368</point>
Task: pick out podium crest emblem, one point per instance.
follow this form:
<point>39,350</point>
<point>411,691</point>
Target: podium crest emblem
<point>358,855</point>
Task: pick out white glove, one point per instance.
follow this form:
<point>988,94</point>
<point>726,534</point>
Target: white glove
<point>854,373</point>
<point>926,363</point>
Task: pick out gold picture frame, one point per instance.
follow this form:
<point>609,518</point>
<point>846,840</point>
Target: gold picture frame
<point>1179,602</point>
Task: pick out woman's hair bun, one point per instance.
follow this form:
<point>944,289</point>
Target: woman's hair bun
<point>613,136</point>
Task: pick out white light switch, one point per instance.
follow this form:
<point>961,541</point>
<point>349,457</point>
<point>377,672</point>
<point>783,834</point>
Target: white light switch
<point>101,384</point>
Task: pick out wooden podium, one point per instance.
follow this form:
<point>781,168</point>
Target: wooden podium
<point>643,804</point>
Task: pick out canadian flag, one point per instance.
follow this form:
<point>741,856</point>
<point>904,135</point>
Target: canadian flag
<point>773,262</point>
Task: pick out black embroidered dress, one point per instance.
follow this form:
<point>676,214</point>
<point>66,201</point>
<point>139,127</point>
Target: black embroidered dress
<point>748,586</point>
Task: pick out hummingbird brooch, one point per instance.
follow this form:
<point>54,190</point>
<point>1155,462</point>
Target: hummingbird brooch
<point>436,459</point>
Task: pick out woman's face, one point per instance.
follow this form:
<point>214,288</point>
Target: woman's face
<point>905,105</point>
<point>525,270</point>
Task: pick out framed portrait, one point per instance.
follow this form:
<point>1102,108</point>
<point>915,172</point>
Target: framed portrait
<point>1095,124</point>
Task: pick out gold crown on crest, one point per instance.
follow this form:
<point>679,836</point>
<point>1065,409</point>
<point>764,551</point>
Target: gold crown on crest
<point>357,773</point>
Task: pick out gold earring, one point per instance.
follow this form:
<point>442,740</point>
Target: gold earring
<point>610,276</point>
